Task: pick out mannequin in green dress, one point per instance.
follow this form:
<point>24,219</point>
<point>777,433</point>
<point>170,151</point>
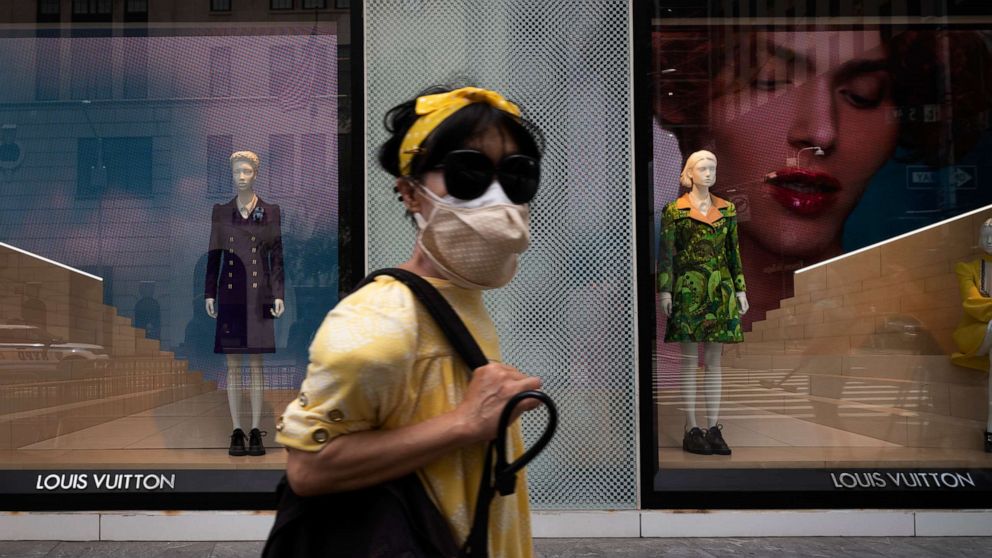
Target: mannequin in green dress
<point>702,287</point>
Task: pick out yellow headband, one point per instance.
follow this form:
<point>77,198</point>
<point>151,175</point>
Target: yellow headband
<point>435,109</point>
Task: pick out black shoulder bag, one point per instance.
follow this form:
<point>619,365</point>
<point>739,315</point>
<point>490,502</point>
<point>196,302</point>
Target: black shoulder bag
<point>397,519</point>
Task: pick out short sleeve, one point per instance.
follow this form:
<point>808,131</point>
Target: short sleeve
<point>361,360</point>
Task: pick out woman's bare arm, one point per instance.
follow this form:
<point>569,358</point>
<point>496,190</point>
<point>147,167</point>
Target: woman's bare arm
<point>363,459</point>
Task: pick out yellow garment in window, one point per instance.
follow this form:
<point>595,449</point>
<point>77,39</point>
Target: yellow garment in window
<point>970,333</point>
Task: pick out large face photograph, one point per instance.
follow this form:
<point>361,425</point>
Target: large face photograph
<point>818,297</point>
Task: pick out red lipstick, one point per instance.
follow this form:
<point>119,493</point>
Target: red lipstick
<point>803,191</point>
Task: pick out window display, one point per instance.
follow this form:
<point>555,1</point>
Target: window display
<point>700,263</point>
<point>973,335</point>
<point>244,314</point>
<point>165,254</point>
<point>854,149</point>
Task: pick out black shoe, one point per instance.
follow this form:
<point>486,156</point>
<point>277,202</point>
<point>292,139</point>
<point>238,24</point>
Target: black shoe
<point>715,439</point>
<point>988,442</point>
<point>237,443</point>
<point>255,446</point>
<point>695,442</point>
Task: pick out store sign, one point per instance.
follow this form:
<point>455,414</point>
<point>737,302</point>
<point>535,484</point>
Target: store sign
<point>902,480</point>
<point>825,480</point>
<point>110,482</point>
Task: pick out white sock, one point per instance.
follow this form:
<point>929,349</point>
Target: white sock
<point>713,382</point>
<point>234,389</point>
<point>256,390</point>
<point>689,366</point>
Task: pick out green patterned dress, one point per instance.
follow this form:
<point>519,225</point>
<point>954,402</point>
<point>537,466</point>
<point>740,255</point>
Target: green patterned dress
<point>699,262</point>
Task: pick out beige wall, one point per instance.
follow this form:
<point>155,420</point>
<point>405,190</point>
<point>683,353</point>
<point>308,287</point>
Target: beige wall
<point>878,321</point>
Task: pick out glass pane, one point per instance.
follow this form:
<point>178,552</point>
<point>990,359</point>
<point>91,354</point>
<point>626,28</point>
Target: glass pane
<point>852,178</point>
<point>119,214</point>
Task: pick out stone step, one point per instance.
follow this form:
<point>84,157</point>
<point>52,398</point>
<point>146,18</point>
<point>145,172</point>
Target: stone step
<point>79,369</point>
<point>27,427</point>
<point>934,343</point>
<point>857,414</point>
<point>952,400</point>
<point>916,368</point>
<point>16,398</point>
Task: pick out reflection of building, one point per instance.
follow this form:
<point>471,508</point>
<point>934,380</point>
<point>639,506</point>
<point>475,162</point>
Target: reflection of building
<point>148,312</point>
<point>33,310</point>
<point>125,129</point>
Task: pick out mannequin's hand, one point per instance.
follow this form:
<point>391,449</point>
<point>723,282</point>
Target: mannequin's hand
<point>211,308</point>
<point>278,308</point>
<point>666,304</point>
<point>742,303</point>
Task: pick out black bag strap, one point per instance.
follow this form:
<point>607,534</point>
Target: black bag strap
<point>504,477</point>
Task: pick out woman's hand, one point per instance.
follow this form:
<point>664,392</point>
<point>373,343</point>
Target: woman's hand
<point>491,387</point>
<point>666,304</point>
<point>211,308</point>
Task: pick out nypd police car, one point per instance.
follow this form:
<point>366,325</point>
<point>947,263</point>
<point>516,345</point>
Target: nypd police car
<point>27,347</point>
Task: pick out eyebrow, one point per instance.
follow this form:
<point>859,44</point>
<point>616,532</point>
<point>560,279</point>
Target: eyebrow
<point>845,72</point>
<point>855,68</point>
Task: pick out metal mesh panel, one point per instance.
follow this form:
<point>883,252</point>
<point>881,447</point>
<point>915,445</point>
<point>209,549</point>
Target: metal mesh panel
<point>569,315</point>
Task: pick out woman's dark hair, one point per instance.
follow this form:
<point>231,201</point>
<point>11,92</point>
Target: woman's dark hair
<point>456,130</point>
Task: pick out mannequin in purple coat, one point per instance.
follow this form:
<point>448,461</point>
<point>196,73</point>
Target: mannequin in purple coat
<point>244,290</point>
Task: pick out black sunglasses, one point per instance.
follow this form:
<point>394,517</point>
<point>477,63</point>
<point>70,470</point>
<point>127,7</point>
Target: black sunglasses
<point>468,174</point>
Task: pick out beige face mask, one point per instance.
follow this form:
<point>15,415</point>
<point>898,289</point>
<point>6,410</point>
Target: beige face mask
<point>474,247</point>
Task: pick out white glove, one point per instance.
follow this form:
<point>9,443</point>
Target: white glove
<point>211,308</point>
<point>666,304</point>
<point>742,303</point>
<point>279,308</point>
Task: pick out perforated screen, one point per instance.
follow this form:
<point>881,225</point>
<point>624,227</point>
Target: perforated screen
<point>569,316</point>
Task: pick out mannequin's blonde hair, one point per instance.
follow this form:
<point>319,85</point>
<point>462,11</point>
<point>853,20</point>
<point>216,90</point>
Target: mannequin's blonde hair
<point>685,179</point>
<point>248,156</point>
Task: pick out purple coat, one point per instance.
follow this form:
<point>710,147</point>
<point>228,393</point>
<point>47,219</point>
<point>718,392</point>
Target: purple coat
<point>245,276</point>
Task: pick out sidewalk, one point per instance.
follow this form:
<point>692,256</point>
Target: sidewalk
<point>809,547</point>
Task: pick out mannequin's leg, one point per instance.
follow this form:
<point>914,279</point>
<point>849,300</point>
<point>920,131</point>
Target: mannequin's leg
<point>987,435</point>
<point>255,363</point>
<point>689,368</point>
<point>234,388</point>
<point>713,382</point>
<point>984,350</point>
<point>713,387</point>
<point>988,420</point>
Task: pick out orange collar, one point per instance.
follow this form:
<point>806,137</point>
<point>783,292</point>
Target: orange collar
<point>711,217</point>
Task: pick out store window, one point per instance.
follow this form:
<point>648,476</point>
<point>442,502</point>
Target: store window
<point>92,7</point>
<point>852,188</point>
<point>220,72</point>
<point>136,7</point>
<point>220,5</point>
<point>281,4</point>
<point>49,10</point>
<point>114,166</point>
<point>314,4</point>
<point>117,201</point>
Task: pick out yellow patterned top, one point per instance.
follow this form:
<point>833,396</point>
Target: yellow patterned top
<point>380,361</point>
<point>970,333</point>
